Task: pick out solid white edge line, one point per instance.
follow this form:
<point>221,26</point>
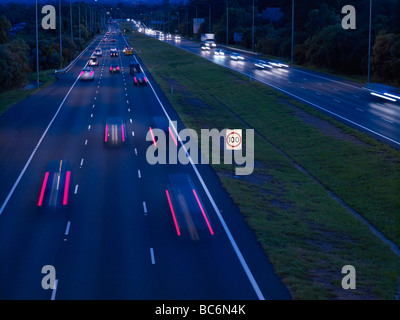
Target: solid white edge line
<point>36,148</point>
<point>221,219</point>
<point>153,261</point>
<point>144,207</point>
<point>67,228</point>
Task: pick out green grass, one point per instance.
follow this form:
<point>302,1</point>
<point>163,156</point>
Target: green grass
<point>306,234</point>
<point>11,97</point>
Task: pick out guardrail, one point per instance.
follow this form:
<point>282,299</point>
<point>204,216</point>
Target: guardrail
<point>76,59</point>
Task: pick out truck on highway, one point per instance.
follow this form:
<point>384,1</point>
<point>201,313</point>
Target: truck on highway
<point>208,40</point>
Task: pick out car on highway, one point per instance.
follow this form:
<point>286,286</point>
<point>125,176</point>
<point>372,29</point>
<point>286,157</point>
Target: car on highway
<point>162,123</point>
<point>383,91</point>
<point>237,56</point>
<point>219,52</point>
<point>87,73</point>
<point>93,61</point>
<point>114,68</point>
<point>55,187</point>
<point>128,51</point>
<point>113,40</point>
<point>262,65</point>
<point>177,38</point>
<point>98,52</point>
<point>277,64</point>
<point>189,217</point>
<point>114,132</point>
<point>168,36</point>
<point>139,77</point>
<point>113,52</point>
<point>204,47</point>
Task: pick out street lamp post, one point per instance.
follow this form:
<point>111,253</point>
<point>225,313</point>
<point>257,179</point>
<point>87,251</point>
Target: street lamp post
<point>292,30</point>
<point>252,31</point>
<point>70,14</point>
<point>369,41</point>
<point>227,25</point>
<point>37,47</point>
<point>59,13</point>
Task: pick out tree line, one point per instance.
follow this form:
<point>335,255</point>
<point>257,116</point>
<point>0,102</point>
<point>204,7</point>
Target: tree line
<point>18,51</point>
<point>319,39</point>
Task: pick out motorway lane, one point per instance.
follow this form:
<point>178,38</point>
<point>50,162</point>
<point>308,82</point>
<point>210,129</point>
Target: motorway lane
<point>340,98</point>
<point>116,241</point>
<point>29,235</point>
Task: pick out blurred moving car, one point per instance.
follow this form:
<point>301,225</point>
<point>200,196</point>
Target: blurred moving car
<point>114,132</point>
<point>278,64</point>
<point>93,61</point>
<point>237,57</point>
<point>87,73</point>
<point>219,52</point>
<point>162,123</point>
<point>113,40</point>
<point>139,77</point>
<point>114,68</point>
<point>98,52</point>
<point>113,52</point>
<point>129,51</point>
<point>190,219</point>
<point>177,38</point>
<point>54,191</point>
<point>261,64</point>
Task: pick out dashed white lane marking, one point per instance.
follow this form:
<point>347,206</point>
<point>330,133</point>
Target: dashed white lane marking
<point>387,120</point>
<point>67,228</point>
<point>336,100</point>
<point>81,162</point>
<point>135,151</point>
<point>76,189</point>
<point>144,207</point>
<point>153,261</point>
<point>360,109</point>
<point>86,142</point>
<point>89,127</point>
<point>139,174</point>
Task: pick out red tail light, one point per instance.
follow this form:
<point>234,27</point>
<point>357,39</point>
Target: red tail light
<point>81,73</point>
<point>66,189</point>
<point>117,68</point>
<point>91,73</point>
<point>46,176</point>
<point>145,80</point>
<point>110,68</point>
<point>135,79</point>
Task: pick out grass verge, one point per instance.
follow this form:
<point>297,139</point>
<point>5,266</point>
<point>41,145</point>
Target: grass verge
<point>11,97</point>
<point>307,235</point>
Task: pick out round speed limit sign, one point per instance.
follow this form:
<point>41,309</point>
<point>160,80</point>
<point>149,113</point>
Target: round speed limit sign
<point>233,139</point>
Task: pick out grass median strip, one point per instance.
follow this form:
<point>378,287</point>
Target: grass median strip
<point>307,235</point>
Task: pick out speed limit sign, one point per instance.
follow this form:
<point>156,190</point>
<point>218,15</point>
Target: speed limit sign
<point>233,140</point>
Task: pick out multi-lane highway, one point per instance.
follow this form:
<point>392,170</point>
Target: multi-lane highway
<point>101,216</point>
<point>347,101</point>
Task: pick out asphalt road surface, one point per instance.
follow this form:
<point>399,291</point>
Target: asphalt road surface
<point>106,226</point>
